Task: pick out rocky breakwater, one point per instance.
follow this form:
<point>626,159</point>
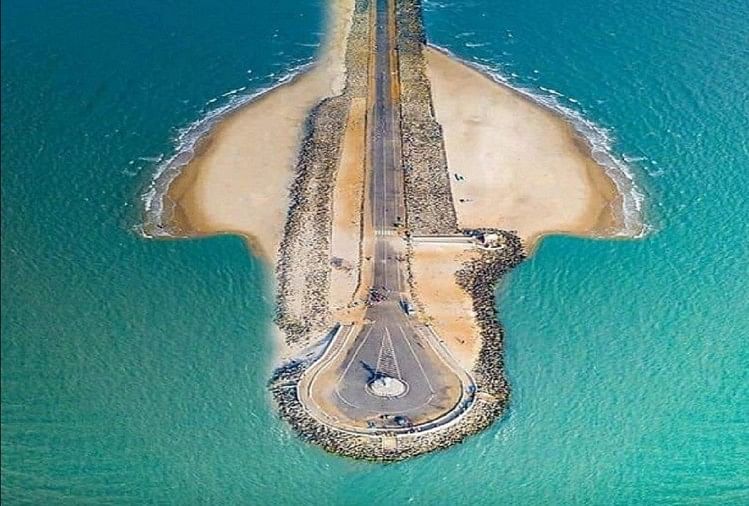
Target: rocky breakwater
<point>428,196</point>
<point>303,268</point>
<point>479,277</point>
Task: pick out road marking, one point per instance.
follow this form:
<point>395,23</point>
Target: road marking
<point>399,280</point>
<point>389,232</point>
<point>423,372</point>
<point>387,358</point>
<point>383,107</point>
<point>340,396</point>
<point>345,371</point>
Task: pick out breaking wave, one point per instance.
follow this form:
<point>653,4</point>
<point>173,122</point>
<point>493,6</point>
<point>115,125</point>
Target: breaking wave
<point>598,138</point>
<point>157,209</point>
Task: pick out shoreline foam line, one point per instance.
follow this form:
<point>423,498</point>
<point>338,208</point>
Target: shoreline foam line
<point>596,138</point>
<point>186,145</point>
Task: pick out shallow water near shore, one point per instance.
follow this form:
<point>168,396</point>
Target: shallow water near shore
<point>134,370</point>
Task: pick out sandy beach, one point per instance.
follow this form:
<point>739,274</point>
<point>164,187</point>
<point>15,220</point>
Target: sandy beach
<point>513,165</point>
<point>238,183</point>
<point>444,304</point>
<point>519,166</point>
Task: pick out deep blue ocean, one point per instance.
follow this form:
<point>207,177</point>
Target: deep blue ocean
<point>134,370</point>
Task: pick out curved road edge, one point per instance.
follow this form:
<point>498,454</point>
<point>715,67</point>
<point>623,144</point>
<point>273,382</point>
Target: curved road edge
<point>338,343</point>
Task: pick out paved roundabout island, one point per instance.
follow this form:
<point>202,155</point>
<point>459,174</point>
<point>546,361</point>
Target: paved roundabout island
<point>391,373</point>
<point>384,386</point>
<point>388,387</point>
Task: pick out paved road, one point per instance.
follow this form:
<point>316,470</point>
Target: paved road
<point>393,343</point>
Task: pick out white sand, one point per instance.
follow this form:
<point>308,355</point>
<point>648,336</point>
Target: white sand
<point>524,167</point>
<point>443,303</point>
<point>347,217</point>
<point>239,182</point>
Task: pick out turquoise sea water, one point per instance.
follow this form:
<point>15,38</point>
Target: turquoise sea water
<point>134,370</point>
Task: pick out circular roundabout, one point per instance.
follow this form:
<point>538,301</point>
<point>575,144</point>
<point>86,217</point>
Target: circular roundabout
<point>387,386</point>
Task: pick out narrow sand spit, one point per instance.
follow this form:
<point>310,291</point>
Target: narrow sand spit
<point>347,216</point>
<point>239,181</point>
<point>521,167</point>
<point>508,164</point>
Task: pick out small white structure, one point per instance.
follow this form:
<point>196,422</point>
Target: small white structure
<point>387,386</point>
<point>490,240</point>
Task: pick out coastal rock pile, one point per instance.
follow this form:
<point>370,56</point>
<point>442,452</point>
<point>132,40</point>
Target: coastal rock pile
<point>357,51</point>
<point>479,277</point>
<point>303,269</point>
<point>427,182</point>
<point>483,411</point>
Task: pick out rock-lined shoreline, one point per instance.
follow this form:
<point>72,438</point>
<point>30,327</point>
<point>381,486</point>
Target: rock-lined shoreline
<point>303,268</point>
<point>482,413</point>
<point>479,277</point>
<point>429,199</point>
<point>304,257</point>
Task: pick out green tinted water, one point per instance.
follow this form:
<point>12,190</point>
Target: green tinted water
<point>134,371</point>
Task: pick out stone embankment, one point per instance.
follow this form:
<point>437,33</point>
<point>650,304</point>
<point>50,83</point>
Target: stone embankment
<point>478,277</point>
<point>429,199</point>
<point>483,411</point>
<point>303,269</point>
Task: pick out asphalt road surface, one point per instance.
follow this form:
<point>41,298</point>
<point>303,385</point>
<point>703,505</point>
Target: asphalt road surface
<point>393,344</point>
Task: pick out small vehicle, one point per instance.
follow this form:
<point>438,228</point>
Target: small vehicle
<point>408,307</point>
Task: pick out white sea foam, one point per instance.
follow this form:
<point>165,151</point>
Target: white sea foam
<point>155,204</point>
<point>234,91</point>
<point>549,90</point>
<point>598,138</point>
<point>153,159</point>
